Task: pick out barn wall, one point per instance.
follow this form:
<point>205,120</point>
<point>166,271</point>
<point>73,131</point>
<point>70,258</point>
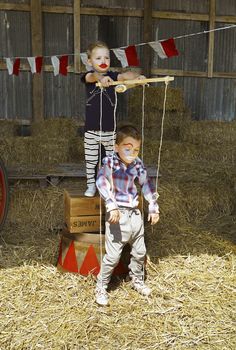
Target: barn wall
<point>208,98</point>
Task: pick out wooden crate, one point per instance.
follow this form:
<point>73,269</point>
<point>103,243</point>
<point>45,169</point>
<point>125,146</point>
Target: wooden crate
<point>77,205</point>
<point>84,224</point>
<point>82,214</point>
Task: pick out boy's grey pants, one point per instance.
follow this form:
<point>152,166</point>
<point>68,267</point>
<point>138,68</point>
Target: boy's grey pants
<point>129,229</point>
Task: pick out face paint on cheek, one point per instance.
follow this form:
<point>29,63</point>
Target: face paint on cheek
<point>128,155</point>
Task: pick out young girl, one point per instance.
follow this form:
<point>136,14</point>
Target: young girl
<point>100,121</point>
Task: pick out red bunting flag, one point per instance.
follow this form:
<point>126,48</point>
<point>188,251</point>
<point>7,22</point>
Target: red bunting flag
<point>35,64</point>
<point>60,64</point>
<point>165,48</point>
<point>13,67</point>
<point>127,56</point>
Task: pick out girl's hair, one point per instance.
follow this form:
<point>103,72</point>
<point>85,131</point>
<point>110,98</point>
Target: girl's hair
<point>96,44</point>
<point>127,131</point>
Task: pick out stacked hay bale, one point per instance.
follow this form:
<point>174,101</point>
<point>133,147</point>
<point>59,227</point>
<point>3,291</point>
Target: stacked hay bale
<point>175,117</point>
<point>52,141</point>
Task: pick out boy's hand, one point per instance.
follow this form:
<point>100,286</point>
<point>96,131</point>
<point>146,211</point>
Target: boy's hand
<point>154,218</point>
<point>105,81</point>
<point>114,216</point>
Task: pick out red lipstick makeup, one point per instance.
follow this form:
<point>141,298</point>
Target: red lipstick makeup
<point>103,65</point>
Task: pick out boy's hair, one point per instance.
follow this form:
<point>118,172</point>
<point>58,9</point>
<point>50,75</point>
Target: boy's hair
<point>127,131</point>
<point>96,44</point>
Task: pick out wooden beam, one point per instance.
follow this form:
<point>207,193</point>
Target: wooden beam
<point>77,65</point>
<point>14,7</point>
<point>58,9</point>
<point>93,11</point>
<point>37,50</point>
<point>111,12</point>
<point>147,36</point>
<point>154,71</point>
<point>180,16</point>
<point>211,36</point>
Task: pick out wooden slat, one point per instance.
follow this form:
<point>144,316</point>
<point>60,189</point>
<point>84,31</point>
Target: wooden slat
<point>147,36</point>
<point>80,224</point>
<point>154,71</point>
<point>119,12</point>
<point>139,81</point>
<point>58,9</point>
<point>111,12</point>
<point>77,66</point>
<point>37,50</point>
<point>75,204</point>
<point>211,39</point>
<point>14,7</point>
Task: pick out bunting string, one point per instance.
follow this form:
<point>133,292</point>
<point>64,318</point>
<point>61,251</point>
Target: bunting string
<point>127,55</point>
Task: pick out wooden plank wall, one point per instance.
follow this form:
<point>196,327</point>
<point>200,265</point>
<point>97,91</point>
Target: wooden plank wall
<point>36,9</point>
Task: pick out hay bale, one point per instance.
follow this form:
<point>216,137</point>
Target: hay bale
<point>8,128</point>
<point>176,114</point>
<point>183,151</point>
<point>77,149</point>
<point>154,97</point>
<point>55,127</point>
<point>36,209</point>
<point>35,150</point>
<point>210,133</point>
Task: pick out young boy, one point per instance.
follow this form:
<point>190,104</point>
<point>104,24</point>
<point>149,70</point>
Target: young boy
<point>115,182</point>
<point>100,118</point>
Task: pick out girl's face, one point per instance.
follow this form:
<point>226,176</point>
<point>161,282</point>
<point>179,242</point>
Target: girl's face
<point>128,149</point>
<point>100,59</point>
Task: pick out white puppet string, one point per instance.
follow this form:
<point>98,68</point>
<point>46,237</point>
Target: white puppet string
<point>100,160</point>
<point>162,132</point>
<point>186,35</point>
<point>100,202</point>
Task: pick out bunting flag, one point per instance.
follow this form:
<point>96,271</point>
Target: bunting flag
<point>127,56</point>
<point>84,59</point>
<point>165,48</point>
<point>13,67</point>
<point>35,64</point>
<point>60,64</point>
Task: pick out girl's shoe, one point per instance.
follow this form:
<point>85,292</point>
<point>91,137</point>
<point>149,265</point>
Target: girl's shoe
<point>91,190</point>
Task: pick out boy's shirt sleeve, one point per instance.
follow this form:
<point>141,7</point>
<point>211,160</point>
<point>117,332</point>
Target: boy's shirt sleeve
<point>104,184</point>
<point>148,190</point>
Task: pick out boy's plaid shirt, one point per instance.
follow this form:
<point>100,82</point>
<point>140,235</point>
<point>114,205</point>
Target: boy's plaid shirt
<point>115,183</point>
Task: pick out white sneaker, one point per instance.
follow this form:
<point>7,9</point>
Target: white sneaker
<point>91,190</point>
<point>140,286</point>
<point>101,296</point>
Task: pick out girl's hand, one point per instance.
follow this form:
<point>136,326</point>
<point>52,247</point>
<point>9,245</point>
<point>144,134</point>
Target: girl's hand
<point>114,216</point>
<point>105,81</point>
<point>154,218</point>
<point>140,77</point>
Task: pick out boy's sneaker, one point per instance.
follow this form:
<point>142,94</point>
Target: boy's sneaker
<point>101,296</point>
<point>91,190</point>
<point>140,286</point>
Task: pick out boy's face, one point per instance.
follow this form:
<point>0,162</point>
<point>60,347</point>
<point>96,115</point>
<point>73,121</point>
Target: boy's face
<point>100,59</point>
<point>128,149</point>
